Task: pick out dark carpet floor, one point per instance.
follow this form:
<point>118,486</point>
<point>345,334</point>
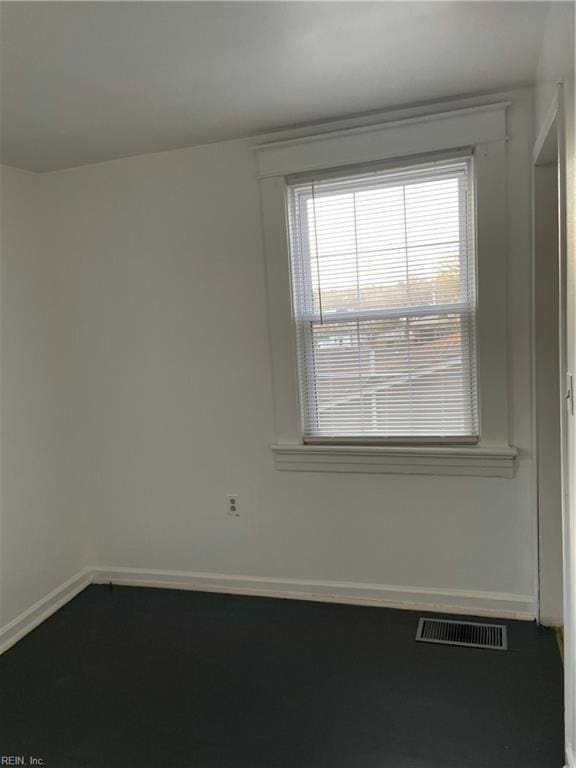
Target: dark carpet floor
<point>150,678</point>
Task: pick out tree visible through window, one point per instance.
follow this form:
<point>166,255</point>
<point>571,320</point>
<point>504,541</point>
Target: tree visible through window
<point>383,283</point>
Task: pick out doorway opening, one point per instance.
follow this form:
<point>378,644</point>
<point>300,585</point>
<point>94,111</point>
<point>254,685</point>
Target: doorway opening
<point>549,375</point>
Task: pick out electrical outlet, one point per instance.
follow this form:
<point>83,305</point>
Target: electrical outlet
<point>233,506</point>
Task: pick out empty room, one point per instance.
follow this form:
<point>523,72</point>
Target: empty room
<point>287,347</point>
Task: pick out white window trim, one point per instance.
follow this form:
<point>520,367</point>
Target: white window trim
<point>481,129</point>
<point>403,460</point>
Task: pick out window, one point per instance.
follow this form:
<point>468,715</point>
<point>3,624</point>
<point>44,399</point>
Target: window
<point>384,303</point>
<point>388,294</point>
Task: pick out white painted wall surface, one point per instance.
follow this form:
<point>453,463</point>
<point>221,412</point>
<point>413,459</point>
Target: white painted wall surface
<point>557,64</point>
<point>177,405</point>
<point>43,540</point>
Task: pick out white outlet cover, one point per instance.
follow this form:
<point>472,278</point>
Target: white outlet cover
<point>233,504</point>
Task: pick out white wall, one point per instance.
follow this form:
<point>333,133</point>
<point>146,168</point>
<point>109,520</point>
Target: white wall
<point>42,538</point>
<point>557,64</point>
<point>177,409</point>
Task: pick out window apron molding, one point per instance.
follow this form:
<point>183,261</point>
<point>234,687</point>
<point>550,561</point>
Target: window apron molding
<point>487,461</point>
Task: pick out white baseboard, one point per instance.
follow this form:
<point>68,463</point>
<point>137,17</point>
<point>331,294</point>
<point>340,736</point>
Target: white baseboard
<point>45,607</point>
<point>494,604</point>
<point>553,622</point>
<point>570,757</point>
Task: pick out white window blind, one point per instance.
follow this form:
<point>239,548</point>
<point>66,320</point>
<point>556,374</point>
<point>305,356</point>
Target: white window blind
<point>384,302</point>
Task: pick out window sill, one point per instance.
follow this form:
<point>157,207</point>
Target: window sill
<point>485,461</point>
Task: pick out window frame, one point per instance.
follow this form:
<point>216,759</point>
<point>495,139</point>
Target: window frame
<point>303,326</point>
<point>480,130</point>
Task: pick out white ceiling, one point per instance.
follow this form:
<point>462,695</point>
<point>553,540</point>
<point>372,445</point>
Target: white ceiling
<point>84,82</point>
